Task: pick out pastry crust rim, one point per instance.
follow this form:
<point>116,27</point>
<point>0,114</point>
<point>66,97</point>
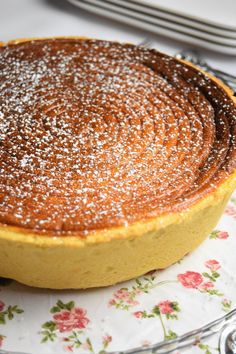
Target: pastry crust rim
<point>135,229</point>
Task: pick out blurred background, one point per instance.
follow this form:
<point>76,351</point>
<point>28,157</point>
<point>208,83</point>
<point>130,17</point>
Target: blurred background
<point>172,26</point>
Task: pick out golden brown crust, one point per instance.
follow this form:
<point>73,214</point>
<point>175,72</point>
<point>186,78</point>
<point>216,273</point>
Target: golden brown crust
<point>161,153</point>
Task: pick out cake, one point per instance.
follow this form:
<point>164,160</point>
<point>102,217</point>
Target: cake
<point>115,160</point>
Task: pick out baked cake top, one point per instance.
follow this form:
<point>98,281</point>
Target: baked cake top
<point>96,134</point>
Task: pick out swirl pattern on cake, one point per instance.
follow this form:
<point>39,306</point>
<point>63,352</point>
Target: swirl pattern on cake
<point>97,134</point>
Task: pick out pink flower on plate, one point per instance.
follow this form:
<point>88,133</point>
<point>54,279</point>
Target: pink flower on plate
<point>1,305</point>
<point>122,294</point>
<point>107,339</point>
<point>111,302</point>
<point>68,320</point>
<point>86,345</point>
<point>165,307</point>
<point>212,264</point>
<point>190,280</point>
<point>137,291</point>
<point>1,340</point>
<point>206,286</point>
<point>68,348</point>
<point>138,314</point>
<point>231,211</point>
<point>226,303</point>
<point>222,235</point>
<point>132,302</point>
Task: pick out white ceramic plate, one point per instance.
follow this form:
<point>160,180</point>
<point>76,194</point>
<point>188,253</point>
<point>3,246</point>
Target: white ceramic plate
<point>136,314</point>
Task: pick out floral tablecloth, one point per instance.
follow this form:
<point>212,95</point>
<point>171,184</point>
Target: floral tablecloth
<point>161,305</point>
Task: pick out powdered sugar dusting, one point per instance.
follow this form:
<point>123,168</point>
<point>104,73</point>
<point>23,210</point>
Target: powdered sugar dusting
<point>96,134</point>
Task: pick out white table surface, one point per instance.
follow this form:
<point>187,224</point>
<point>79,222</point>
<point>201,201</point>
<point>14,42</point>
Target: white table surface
<point>38,18</point>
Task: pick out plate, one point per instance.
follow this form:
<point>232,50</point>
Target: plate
<point>159,306</point>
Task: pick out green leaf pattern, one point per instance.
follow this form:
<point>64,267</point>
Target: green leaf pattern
<point>7,314</point>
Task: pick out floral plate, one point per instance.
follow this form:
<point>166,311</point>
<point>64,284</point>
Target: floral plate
<point>160,306</point>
